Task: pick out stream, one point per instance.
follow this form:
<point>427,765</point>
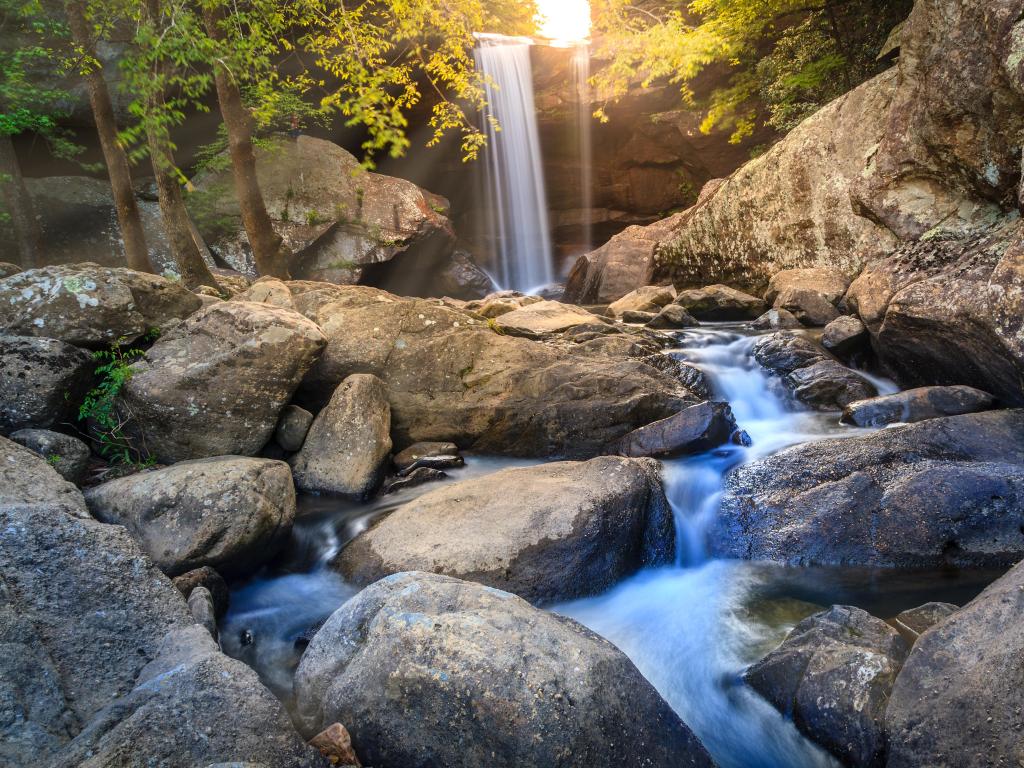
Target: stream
<point>691,628</point>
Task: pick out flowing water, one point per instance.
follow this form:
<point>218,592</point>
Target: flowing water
<point>691,628</point>
<point>515,171</point>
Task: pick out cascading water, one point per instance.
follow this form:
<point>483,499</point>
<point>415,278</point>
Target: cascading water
<point>518,205</point>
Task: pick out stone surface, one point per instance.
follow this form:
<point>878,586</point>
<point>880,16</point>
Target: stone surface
<point>807,371</point>
<point>543,317</point>
<point>27,477</point>
<point>720,302</point>
<point>673,316</point>
<point>946,491</point>
<point>916,405</point>
<point>203,610</point>
<point>694,429</point>
<point>810,307</point>
<point>292,427</point>
<point>89,305</point>
<point>41,381</point>
<point>776,319</point>
<point>638,318</point>
<point>913,623</point>
<point>408,456</point>
<point>833,675</point>
<point>216,384</point>
<point>209,579</point>
<point>7,269</point>
<point>483,679</point>
<point>66,454</point>
<point>829,283</point>
<point>650,298</point>
<point>548,533</point>
<point>845,336</point>
<point>956,702</point>
<point>335,743</point>
<point>347,447</point>
<point>230,513</point>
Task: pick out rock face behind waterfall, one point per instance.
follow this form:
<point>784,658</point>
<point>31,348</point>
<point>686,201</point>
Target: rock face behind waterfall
<point>947,491</point>
<point>429,670</point>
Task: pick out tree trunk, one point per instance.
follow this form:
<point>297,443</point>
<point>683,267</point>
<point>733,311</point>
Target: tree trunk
<point>117,161</point>
<point>268,249</point>
<point>28,238</point>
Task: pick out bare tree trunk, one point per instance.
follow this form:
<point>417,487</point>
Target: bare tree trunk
<point>117,161</point>
<point>28,238</point>
<point>268,249</point>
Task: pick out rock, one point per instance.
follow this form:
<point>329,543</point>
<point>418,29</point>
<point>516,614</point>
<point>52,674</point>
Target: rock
<point>27,478</point>
<point>177,715</point>
<point>335,744</point>
<point>292,427</point>
<point>637,318</point>
<point>623,264</point>
<point>349,442</point>
<point>462,278</point>
<point>418,476</point>
<point>90,306</point>
<point>673,316</point>
<point>810,307</point>
<point>720,302</point>
<point>544,690</point>
<point>946,491</point>
<point>694,429</point>
<point>7,269</point>
<point>913,623</point>
<point>542,318</point>
<point>204,613</point>
<point>210,580</point>
<point>832,675</point>
<point>829,385</point>
<point>547,533</point>
<point>66,454</point>
<point>829,283</point>
<point>783,353</point>
<point>409,456</point>
<point>845,336</point>
<point>41,381</point>
<point>650,298</point>
<point>776,319</point>
<point>216,385</point>
<point>502,302</point>
<point>956,701</point>
<point>230,513</point>
<point>916,405</point>
<point>433,462</point>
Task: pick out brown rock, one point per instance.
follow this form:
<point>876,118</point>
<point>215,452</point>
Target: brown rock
<point>830,283</point>
<point>335,743</point>
<point>650,298</point>
<point>720,302</point>
<point>409,456</point>
<point>542,318</point>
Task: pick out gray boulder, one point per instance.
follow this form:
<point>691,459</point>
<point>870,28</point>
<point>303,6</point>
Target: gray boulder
<point>216,385</point>
<point>41,381</point>
<point>958,700</point>
<point>694,429</point>
<point>89,305</point>
<point>347,447</point>
<point>230,513</point>
<point>815,378</point>
<point>914,622</point>
<point>916,405</point>
<point>547,533</point>
<point>292,427</point>
<point>845,336</point>
<point>833,675</point>
<point>28,478</point>
<point>946,491</point>
<point>66,454</point>
<point>483,679</point>
<point>720,302</point>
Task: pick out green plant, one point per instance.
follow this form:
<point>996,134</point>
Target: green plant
<point>53,459</point>
<point>313,217</point>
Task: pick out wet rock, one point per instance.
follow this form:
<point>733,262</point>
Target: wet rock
<point>547,533</point>
<point>776,319</point>
<point>204,613</point>
<point>542,318</point>
<point>830,284</point>
<point>650,298</point>
<point>335,744</point>
<point>417,476</point>
<point>917,405</point>
<point>673,316</point>
<point>210,580</point>
<point>230,513</point>
<point>694,429</point>
<point>90,306</point>
<point>66,454</point>
<point>946,491</point>
<point>808,306</point>
<point>192,706</point>
<point>292,427</point>
<point>833,675</point>
<point>913,623</point>
<point>845,336</point>
<point>348,445</point>
<point>217,384</point>
<point>828,385</point>
<point>957,701</point>
<point>527,673</point>
<point>41,382</point>
<point>432,462</point>
<point>413,453</point>
<point>783,353</point>
<point>720,302</point>
<point>27,477</point>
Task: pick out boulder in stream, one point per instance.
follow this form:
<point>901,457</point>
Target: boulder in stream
<point>720,302</point>
<point>916,405</point>
<point>694,429</point>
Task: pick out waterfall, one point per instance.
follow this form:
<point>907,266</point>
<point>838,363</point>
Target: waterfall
<point>581,80</point>
<point>518,202</point>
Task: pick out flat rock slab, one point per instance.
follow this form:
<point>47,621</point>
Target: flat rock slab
<point>914,405</point>
<point>543,317</point>
<point>547,533</point>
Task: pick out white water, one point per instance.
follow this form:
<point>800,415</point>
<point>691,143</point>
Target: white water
<point>515,171</point>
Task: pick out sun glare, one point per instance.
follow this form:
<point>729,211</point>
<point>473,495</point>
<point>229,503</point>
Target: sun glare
<point>564,21</point>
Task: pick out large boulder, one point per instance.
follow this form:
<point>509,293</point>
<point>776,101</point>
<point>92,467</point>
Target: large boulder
<point>720,302</point>
<point>845,336</point>
<point>41,381</point>
<point>916,405</point>
<point>348,443</point>
<point>810,307</point>
<point>230,513</point>
<point>482,678</point>
<point>216,384</point>
<point>543,318</point>
<point>699,427</point>
<point>650,298</point>
<point>947,491</point>
<point>958,700</point>
<point>811,374</point>
<point>547,533</point>
<point>833,675</point>
<point>26,477</point>
<point>89,305</point>
<point>831,284</point>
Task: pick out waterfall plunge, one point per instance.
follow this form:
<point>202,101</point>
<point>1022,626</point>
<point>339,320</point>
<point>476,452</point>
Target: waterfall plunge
<point>518,205</point>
